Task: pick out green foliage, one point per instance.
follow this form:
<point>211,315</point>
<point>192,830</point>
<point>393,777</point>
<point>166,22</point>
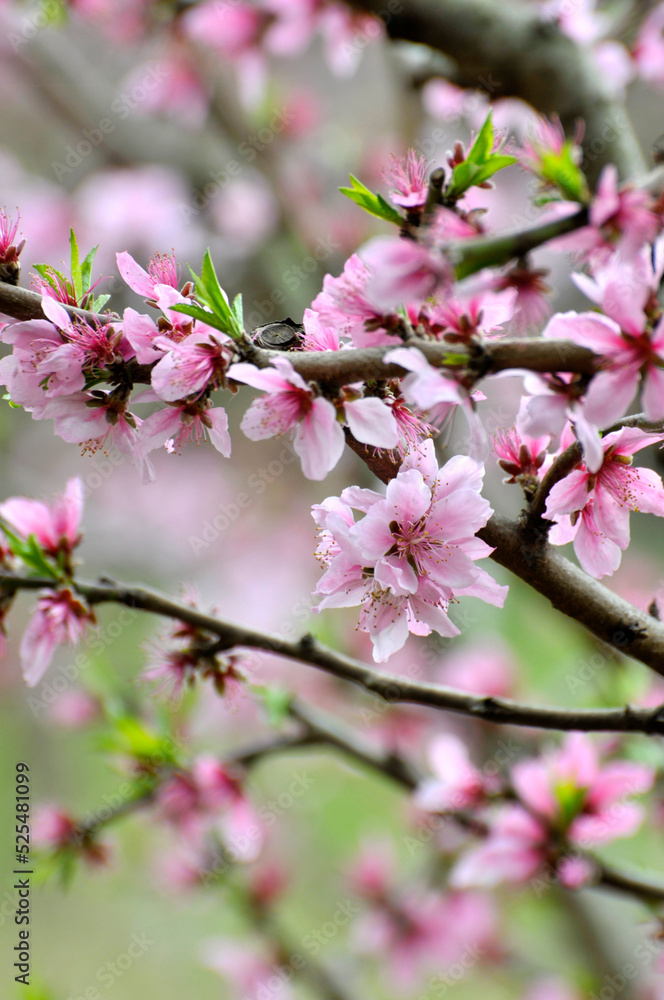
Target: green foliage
<point>79,286</point>
<point>372,203</point>
<point>219,313</point>
<point>131,737</point>
<point>276,702</point>
<point>480,163</point>
<point>30,552</point>
<point>563,173</point>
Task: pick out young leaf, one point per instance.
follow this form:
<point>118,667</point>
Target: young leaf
<point>86,271</point>
<point>76,276</point>
<point>561,170</point>
<point>276,701</point>
<point>372,203</point>
<point>480,164</point>
<point>205,317</point>
<point>30,553</point>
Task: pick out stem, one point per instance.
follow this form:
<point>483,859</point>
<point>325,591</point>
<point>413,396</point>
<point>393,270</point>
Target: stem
<point>398,689</point>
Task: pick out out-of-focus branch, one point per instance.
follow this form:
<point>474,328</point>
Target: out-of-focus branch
<point>510,51</point>
<point>569,589</point>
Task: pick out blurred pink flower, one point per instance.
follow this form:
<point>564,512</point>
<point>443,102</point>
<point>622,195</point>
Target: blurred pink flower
<point>344,306</point>
<point>565,794</point>
<point>58,617</point>
<point>403,271</point>
<point>56,526</point>
<point>249,973</point>
<point>75,709</point>
<point>483,667</point>
<point>409,177</point>
<point>456,783</point>
<point>648,53</point>
<point>209,798</point>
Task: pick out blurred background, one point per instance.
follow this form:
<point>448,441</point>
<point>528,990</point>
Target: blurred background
<point>144,135</point>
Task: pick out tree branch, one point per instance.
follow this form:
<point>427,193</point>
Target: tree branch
<point>559,575</point>
<point>510,51</point>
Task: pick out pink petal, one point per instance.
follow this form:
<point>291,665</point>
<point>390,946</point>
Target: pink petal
<point>134,275</point>
<point>652,395</point>
<point>219,435</point>
<point>532,783</point>
<point>372,422</point>
<point>319,440</point>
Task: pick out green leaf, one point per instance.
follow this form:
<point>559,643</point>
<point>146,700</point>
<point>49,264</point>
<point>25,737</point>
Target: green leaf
<point>30,553</point>
<point>50,274</point>
<point>562,171</point>
<point>99,302</point>
<point>197,312</point>
<point>372,203</point>
<point>479,165</point>
<point>223,317</point>
<point>481,148</point>
<point>276,701</point>
<point>130,736</point>
<point>76,277</point>
<point>86,271</point>
<point>238,311</point>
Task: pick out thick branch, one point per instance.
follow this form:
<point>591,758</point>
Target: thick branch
<point>570,590</point>
<point>23,304</point>
<point>337,368</point>
<point>557,574</point>
<point>509,51</point>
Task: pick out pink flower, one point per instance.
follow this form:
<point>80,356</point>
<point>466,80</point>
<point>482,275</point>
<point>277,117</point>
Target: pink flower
<point>209,798</point>
<point>232,30</point>
<point>344,306</point>
<point>162,270</point>
<point>412,553</point>
<point>649,49</point>
<point>10,250</point>
<point>521,456</point>
<point>565,794</point>
<point>249,973</point>
<point>99,420</point>
<point>55,526</point>
<point>555,399</point>
<point>42,365</point>
<point>599,504</point>
<point>290,404</point>
<point>618,218</point>
<point>456,783</point>
<point>531,306</point>
<point>52,829</point>
<point>318,337</point>
<point>403,271</point>
<point>513,851</point>
<point>177,424</point>
<point>569,790</point>
<point>480,668</point>
<point>427,386</point>
<point>189,367</point>
<point>75,709</point>
<point>58,617</point>
<point>409,177</point>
